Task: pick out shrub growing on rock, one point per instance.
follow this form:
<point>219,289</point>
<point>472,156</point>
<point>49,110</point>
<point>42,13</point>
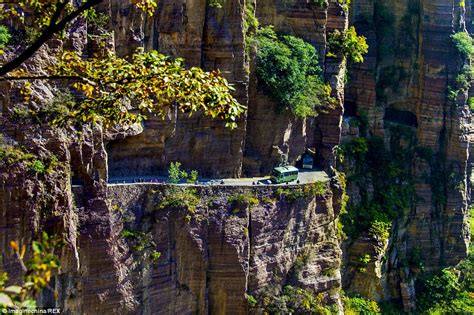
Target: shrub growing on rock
<point>5,37</point>
<point>179,198</point>
<point>348,44</point>
<point>175,174</point>
<point>360,306</point>
<point>288,71</point>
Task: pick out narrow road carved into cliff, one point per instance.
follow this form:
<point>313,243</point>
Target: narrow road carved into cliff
<point>304,177</point>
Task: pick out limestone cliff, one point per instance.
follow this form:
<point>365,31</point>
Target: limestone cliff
<point>213,38</point>
<point>403,85</point>
<point>212,259</point>
<point>216,256</point>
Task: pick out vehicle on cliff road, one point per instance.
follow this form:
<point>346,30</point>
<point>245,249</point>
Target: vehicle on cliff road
<point>284,174</point>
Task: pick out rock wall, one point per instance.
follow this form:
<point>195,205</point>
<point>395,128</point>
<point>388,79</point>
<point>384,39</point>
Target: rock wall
<point>207,37</point>
<point>214,257</point>
<point>212,262</point>
<point>213,39</point>
<point>273,137</point>
<point>211,258</point>
<point>404,83</point>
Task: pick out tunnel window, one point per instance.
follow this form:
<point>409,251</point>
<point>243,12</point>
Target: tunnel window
<point>401,117</point>
<point>350,109</point>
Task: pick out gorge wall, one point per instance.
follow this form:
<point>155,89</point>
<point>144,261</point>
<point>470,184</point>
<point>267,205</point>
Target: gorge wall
<point>399,97</point>
<point>213,258</point>
<point>214,255</point>
<point>213,38</point>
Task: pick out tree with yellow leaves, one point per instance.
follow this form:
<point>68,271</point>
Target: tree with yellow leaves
<point>107,90</point>
<point>113,90</point>
<point>38,271</point>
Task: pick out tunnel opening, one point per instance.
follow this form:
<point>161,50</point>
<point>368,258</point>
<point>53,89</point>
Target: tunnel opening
<point>350,109</point>
<point>400,117</point>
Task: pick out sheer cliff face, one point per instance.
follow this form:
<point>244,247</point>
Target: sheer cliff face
<point>213,39</point>
<point>207,37</point>
<point>275,138</point>
<point>211,259</point>
<point>404,84</point>
<point>210,263</point>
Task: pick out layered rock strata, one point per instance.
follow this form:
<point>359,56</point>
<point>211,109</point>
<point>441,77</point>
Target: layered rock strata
<point>403,84</point>
<point>211,258</point>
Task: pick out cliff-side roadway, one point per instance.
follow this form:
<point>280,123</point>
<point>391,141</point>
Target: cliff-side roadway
<point>304,177</point>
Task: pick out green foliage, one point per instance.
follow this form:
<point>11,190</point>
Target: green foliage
<point>360,306</point>
<point>450,290</point>
<point>10,155</point>
<point>251,301</point>
<point>290,300</point>
<point>380,230</point>
<point>290,195</point>
<point>268,200</point>
<point>287,69</point>
<point>329,272</point>
<point>38,167</point>
<point>250,26</point>
<point>357,147</point>
<point>345,5</point>
<point>444,291</point>
<point>464,44</point>
<point>294,194</point>
<point>177,198</point>
<point>471,104</point>
<point>391,308</point>
<point>57,107</point>
<point>316,189</point>
<point>38,271</point>
<point>96,19</point>
<point>152,82</point>
<point>175,174</point>
<point>142,243</point>
<point>362,262</point>
<point>348,44</point>
<point>364,259</point>
<point>193,176</point>
<point>388,173</point>
<point>215,4</point>
<point>321,3</point>
<point>415,259</point>
<point>5,37</point>
<point>243,200</point>
<point>109,89</point>
<point>425,153</point>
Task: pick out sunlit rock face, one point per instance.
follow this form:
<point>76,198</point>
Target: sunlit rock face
<point>213,39</point>
<point>211,260</point>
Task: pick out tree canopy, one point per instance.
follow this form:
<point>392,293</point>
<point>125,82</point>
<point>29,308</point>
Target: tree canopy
<point>107,88</point>
<point>288,70</point>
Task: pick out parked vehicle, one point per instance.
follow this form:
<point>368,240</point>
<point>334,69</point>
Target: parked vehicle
<point>284,174</point>
<point>308,161</point>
